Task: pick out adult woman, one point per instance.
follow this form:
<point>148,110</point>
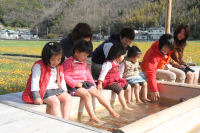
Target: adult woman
<point>181,35</point>
<point>80,31</point>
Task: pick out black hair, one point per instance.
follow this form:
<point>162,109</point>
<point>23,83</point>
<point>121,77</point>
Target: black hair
<point>50,49</point>
<point>127,32</point>
<point>133,51</point>
<point>83,46</point>
<point>178,30</point>
<point>116,51</point>
<point>80,31</point>
<point>166,40</point>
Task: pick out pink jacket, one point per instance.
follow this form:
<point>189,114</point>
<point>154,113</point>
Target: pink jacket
<point>44,80</point>
<point>75,72</point>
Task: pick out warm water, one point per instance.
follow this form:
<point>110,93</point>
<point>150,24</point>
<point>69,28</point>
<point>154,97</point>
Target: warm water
<point>140,111</point>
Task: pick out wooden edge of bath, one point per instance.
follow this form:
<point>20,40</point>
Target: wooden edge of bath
<point>25,108</point>
<point>179,84</point>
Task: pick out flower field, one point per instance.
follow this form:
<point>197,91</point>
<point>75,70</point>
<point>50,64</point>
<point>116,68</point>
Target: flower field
<point>14,71</point>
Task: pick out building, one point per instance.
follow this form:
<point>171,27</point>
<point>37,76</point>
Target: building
<point>8,34</point>
<point>155,33</point>
<point>149,34</point>
<point>24,34</point>
<point>141,35</point>
<point>18,34</point>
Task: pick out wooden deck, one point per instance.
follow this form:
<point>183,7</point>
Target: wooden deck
<point>18,117</point>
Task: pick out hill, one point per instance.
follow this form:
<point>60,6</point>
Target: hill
<point>60,16</point>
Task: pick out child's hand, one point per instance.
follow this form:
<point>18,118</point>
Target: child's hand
<point>166,67</point>
<point>38,101</point>
<point>100,87</point>
<point>79,85</point>
<point>155,95</point>
<point>183,66</point>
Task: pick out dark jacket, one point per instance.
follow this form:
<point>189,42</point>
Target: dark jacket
<point>98,54</point>
<point>68,46</point>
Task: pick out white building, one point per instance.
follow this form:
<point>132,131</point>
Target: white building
<point>24,34</point>
<point>141,35</point>
<point>154,33</point>
<point>8,34</point>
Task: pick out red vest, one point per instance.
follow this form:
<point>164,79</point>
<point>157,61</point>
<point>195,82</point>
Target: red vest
<point>44,80</point>
<point>113,76</point>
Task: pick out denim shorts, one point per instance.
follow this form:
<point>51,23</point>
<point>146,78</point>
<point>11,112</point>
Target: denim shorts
<point>134,81</point>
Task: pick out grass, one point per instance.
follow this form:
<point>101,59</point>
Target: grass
<point>14,71</point>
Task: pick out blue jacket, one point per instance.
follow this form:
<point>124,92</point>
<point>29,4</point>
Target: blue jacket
<point>100,53</point>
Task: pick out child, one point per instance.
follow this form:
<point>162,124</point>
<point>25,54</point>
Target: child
<point>129,70</point>
<point>46,83</point>
<point>80,81</point>
<point>110,76</point>
<point>154,60</point>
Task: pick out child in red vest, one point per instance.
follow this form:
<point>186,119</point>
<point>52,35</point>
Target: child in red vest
<point>80,81</point>
<point>46,83</point>
<point>110,76</point>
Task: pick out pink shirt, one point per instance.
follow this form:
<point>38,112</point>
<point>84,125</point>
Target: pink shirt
<point>75,72</point>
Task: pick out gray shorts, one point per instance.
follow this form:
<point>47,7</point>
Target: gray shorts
<point>48,93</point>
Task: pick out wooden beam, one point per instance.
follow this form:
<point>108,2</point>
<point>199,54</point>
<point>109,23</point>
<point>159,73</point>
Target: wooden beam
<point>168,19</point>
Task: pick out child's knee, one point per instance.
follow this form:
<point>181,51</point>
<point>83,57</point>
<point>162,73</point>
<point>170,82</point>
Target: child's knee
<point>190,75</point>
<point>128,88</point>
<point>145,84</point>
<point>68,98</point>
<point>87,95</point>
<point>120,92</point>
<point>136,86</point>
<point>55,103</point>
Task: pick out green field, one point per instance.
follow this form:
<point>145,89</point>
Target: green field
<point>192,51</point>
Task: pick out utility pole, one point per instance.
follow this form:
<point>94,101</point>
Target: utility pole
<point>168,19</point>
<point>47,30</point>
<point>37,31</point>
<point>100,31</point>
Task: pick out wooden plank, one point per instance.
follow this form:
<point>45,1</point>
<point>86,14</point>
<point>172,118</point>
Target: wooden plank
<point>21,121</point>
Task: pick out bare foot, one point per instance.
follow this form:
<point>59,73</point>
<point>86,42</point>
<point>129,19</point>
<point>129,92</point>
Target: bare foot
<point>148,99</point>
<point>128,109</point>
<point>114,114</point>
<point>139,102</point>
<point>96,120</point>
<point>130,103</point>
<point>145,100</point>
